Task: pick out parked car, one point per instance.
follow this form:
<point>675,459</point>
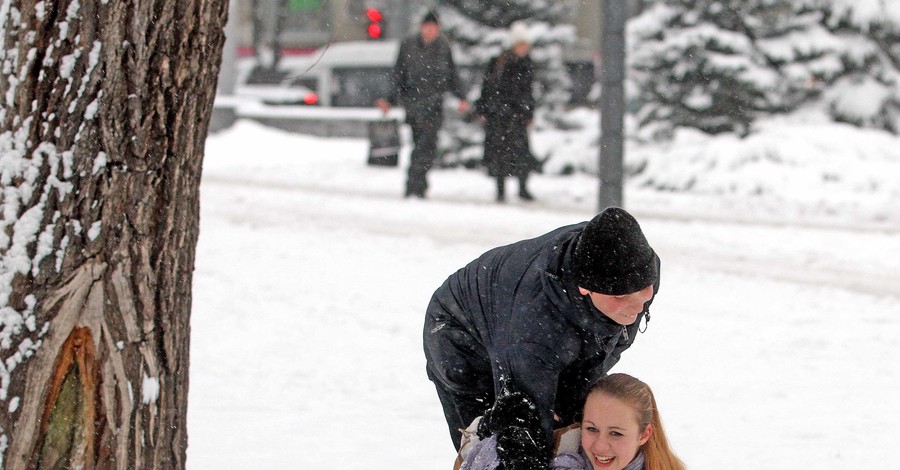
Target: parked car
<point>356,73</point>
<point>290,94</point>
<point>343,74</point>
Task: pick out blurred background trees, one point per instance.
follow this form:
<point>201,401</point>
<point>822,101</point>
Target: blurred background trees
<point>718,65</point>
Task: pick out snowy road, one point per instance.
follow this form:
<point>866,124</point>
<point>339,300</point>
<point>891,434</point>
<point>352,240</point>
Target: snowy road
<point>771,346</point>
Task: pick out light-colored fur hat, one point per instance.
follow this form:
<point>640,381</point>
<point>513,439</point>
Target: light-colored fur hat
<point>519,33</point>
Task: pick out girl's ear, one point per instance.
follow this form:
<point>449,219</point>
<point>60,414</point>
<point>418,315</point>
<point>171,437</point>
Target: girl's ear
<point>583,291</point>
<point>645,436</point>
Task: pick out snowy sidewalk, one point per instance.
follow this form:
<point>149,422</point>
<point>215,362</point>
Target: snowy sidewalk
<point>770,346</point>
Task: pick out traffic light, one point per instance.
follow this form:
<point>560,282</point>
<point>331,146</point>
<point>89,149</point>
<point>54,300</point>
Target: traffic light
<point>375,29</point>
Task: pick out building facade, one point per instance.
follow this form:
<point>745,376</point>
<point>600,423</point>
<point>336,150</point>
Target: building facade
<point>295,26</point>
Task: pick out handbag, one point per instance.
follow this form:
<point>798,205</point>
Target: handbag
<point>384,142</point>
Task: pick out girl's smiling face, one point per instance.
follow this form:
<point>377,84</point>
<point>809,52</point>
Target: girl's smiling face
<point>610,432</point>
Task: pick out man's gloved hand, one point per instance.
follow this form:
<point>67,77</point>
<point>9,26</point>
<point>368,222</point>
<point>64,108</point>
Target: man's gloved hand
<point>521,444</point>
<point>522,449</point>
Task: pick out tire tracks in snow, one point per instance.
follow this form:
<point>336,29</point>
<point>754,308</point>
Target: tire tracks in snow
<point>704,242</point>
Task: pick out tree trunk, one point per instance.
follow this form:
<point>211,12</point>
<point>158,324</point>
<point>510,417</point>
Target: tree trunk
<point>104,107</point>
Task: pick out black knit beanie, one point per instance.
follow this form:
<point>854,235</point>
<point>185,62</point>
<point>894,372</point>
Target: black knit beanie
<point>430,17</point>
<point>612,255</point>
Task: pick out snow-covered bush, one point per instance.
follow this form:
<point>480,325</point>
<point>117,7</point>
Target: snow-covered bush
<point>718,65</point>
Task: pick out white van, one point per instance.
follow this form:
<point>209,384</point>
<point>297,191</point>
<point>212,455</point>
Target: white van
<point>342,74</point>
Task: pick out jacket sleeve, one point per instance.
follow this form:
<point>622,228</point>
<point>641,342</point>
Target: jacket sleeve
<point>483,455</point>
<point>398,75</point>
<point>455,85</point>
<point>528,91</point>
<point>482,104</point>
<point>534,371</point>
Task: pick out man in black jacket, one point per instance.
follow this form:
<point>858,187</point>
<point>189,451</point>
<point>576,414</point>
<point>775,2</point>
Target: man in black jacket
<point>423,73</point>
<point>544,317</point>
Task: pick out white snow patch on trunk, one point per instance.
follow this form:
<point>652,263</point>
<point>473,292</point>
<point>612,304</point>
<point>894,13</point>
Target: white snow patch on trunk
<point>150,390</point>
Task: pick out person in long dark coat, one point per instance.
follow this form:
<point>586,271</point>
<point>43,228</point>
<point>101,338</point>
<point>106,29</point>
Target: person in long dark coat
<point>506,106</point>
<point>423,73</point>
<point>545,317</point>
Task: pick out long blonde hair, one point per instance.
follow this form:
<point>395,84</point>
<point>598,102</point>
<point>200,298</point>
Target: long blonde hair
<point>657,453</point>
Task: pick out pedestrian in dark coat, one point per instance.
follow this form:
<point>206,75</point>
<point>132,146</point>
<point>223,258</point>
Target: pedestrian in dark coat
<point>423,73</point>
<point>545,317</point>
<point>506,106</point>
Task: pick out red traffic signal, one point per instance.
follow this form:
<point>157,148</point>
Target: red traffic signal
<point>375,29</point>
<point>374,15</point>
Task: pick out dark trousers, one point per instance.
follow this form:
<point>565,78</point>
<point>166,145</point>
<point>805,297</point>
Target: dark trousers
<point>457,365</point>
<point>501,186</point>
<point>425,135</point>
<point>460,410</point>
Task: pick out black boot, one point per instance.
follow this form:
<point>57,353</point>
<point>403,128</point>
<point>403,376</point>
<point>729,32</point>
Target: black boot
<point>523,190</point>
<point>501,189</point>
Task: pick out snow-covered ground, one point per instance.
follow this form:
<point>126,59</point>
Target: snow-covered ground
<point>774,341</point>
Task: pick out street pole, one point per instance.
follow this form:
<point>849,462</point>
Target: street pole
<point>228,70</point>
<point>612,103</point>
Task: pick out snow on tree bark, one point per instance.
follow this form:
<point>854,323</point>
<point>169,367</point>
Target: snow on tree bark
<point>104,108</point>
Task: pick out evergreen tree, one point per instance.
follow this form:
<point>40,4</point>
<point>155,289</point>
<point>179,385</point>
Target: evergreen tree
<point>716,65</point>
<point>478,31</point>
<point>867,92</point>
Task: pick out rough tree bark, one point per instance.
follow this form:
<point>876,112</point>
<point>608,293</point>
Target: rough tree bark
<point>104,108</point>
